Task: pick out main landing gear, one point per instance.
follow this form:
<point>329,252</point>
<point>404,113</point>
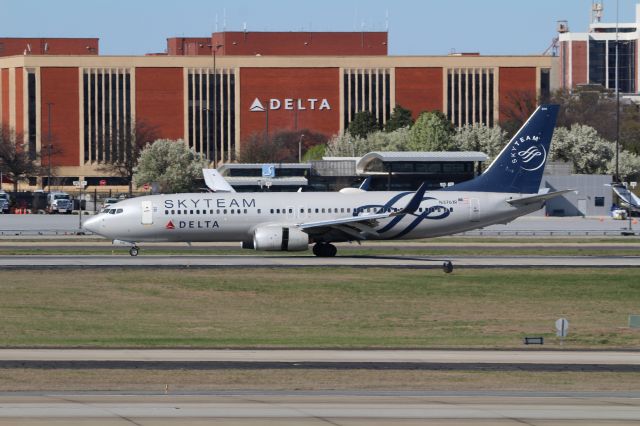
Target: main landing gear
<point>133,251</point>
<point>324,250</point>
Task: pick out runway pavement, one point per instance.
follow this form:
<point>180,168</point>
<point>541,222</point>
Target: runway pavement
<point>217,359</point>
<point>348,409</point>
<point>216,261</point>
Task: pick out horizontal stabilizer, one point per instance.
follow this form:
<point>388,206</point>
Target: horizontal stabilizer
<point>215,181</point>
<point>525,201</point>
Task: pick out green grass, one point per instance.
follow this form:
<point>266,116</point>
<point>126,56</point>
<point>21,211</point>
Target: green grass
<point>313,307</point>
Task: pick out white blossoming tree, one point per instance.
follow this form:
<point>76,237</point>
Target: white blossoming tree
<point>171,164</point>
<point>482,138</point>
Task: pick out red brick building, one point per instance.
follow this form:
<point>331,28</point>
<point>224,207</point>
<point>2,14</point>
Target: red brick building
<point>214,92</point>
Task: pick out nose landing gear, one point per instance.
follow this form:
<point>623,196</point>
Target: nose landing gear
<point>447,267</point>
<point>133,251</point>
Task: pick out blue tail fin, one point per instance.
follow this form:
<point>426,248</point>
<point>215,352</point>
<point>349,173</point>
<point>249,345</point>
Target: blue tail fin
<point>519,166</point>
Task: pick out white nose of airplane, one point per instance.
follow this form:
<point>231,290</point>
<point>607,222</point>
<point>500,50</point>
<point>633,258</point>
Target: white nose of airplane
<point>93,224</point>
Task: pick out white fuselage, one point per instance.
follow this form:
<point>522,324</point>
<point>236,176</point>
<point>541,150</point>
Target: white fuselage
<point>229,217</point>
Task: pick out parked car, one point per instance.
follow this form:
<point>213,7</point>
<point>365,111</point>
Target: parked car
<point>5,201</point>
<point>108,201</point>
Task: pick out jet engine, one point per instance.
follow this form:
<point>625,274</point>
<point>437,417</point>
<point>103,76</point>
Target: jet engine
<point>279,238</point>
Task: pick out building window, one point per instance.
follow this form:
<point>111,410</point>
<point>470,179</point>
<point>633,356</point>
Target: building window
<point>367,90</point>
<point>470,94</point>
<point>597,62</point>
<point>106,109</point>
<point>211,113</point>
<point>599,201</point>
<point>32,111</point>
<point>626,65</point>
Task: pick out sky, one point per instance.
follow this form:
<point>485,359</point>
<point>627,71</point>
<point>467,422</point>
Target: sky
<point>416,27</point>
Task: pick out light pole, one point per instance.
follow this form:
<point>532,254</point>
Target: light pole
<point>300,148</point>
<point>617,100</point>
<point>49,104</point>
<point>214,50</point>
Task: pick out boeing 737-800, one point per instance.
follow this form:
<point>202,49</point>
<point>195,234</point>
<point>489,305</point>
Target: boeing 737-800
<point>509,188</point>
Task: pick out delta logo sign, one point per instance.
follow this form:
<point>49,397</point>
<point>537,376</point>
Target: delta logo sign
<point>290,104</point>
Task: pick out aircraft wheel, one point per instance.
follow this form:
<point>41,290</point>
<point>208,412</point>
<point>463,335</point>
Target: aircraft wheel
<point>447,267</point>
<point>331,250</point>
<point>133,251</point>
<point>317,249</point>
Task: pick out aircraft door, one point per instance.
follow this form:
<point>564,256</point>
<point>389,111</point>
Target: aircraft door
<point>147,213</point>
<point>474,209</point>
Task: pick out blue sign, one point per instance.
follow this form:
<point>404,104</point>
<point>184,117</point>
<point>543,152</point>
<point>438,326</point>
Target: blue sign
<point>268,170</point>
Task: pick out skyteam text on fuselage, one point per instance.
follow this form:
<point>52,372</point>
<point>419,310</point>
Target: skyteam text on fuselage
<point>509,188</point>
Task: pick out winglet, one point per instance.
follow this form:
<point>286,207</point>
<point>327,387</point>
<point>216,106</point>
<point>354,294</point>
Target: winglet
<point>414,202</point>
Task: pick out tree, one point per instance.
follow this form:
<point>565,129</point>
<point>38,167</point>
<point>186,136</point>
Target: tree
<point>16,163</point>
<point>348,145</point>
<point>628,166</point>
<point>171,164</point>
<point>479,137</point>
<point>130,143</point>
<point>362,124</point>
<point>515,109</point>
<point>400,117</point>
<point>279,147</point>
<point>432,131</point>
<point>314,153</point>
<point>582,146</point>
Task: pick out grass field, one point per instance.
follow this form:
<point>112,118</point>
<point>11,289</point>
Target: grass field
<point>184,380</point>
<point>317,307</point>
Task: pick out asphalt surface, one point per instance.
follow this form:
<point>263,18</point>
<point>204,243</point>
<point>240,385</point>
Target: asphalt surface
<point>314,409</point>
<point>217,261</point>
<point>219,359</point>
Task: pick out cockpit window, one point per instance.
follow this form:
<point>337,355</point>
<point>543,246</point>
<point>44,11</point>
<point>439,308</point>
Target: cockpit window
<point>112,211</point>
<point>118,211</point>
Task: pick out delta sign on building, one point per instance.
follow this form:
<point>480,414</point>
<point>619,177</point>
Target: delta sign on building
<point>214,98</point>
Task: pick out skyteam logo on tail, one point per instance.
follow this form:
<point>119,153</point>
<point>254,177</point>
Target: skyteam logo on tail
<point>528,153</point>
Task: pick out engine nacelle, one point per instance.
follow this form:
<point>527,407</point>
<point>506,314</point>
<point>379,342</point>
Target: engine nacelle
<point>280,238</point>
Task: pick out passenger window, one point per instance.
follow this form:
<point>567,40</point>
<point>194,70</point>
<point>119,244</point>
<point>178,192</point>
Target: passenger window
<point>224,211</point>
<point>290,210</point>
<point>259,211</point>
<point>451,209</point>
<point>271,211</point>
<point>245,211</point>
<point>218,211</point>
<point>166,212</point>
<point>322,210</point>
<point>316,210</point>
<point>342,210</point>
<point>173,212</point>
<point>278,211</point>
<point>301,210</point>
<point>211,211</point>
<point>231,211</point>
<point>308,210</point>
<point>190,211</point>
<point>348,209</point>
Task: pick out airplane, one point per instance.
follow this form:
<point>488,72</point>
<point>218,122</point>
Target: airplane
<point>627,198</point>
<point>508,188</point>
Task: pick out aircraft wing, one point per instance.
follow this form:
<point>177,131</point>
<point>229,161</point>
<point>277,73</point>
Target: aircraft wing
<point>363,226</point>
<point>525,201</point>
<point>627,197</point>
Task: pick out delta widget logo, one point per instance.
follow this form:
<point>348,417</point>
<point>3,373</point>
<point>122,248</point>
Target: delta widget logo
<point>170,225</point>
<point>528,153</point>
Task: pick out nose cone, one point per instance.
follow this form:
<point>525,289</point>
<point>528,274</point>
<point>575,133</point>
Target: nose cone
<point>93,224</point>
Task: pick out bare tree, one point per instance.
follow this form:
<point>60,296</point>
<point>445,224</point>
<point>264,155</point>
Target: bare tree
<point>15,162</point>
<point>127,146</point>
<point>515,109</point>
<point>280,147</point>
